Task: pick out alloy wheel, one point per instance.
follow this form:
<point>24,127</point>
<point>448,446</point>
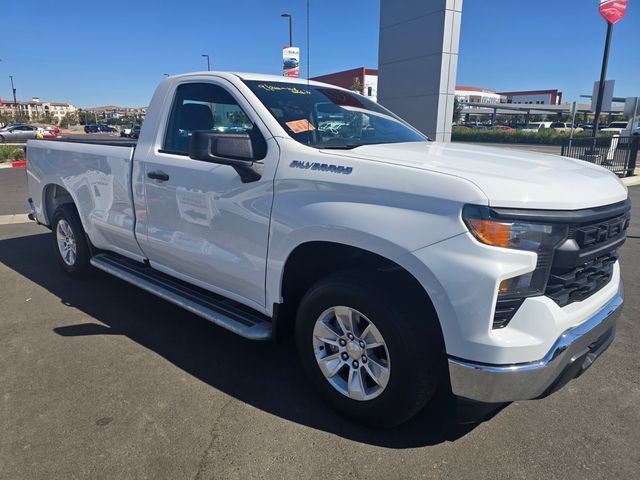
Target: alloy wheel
<point>66,243</point>
<point>351,353</point>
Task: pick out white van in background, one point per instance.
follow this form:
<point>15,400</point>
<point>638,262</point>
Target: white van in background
<point>536,126</point>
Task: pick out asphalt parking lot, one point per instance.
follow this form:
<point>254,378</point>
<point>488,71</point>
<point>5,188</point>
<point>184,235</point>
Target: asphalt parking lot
<point>101,380</point>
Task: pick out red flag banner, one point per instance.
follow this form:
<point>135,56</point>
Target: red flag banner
<point>613,10</point>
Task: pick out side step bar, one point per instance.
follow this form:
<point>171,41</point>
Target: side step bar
<point>215,308</point>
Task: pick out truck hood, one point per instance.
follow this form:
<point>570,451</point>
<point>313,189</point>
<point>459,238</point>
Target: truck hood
<point>508,177</point>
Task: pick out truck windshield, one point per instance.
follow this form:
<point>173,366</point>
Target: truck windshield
<point>325,117</point>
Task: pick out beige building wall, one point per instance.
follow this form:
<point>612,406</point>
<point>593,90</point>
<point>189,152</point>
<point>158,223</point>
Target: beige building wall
<point>36,109</point>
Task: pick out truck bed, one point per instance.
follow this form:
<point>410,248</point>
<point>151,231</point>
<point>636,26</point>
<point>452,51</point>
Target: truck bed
<point>96,173</point>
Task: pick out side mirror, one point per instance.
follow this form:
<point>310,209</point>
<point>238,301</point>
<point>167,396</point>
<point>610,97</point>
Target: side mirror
<point>233,149</point>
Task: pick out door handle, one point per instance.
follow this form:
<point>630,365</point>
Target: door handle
<point>158,175</point>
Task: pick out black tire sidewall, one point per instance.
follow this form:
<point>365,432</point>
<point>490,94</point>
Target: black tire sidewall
<point>414,350</point>
<point>81,266</point>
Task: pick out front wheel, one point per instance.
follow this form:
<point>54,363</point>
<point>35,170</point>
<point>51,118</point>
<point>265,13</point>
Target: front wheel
<point>69,241</point>
<point>369,349</point>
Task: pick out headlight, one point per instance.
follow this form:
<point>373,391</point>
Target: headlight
<point>536,237</point>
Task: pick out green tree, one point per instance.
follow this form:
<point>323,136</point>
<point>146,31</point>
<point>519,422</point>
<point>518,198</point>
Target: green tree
<point>85,117</point>
<point>5,118</point>
<point>457,110</point>
<point>356,85</point>
<point>21,117</point>
<point>47,118</point>
<point>68,119</point>
<point>238,118</point>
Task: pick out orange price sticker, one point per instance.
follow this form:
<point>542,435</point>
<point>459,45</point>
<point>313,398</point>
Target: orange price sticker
<point>299,126</point>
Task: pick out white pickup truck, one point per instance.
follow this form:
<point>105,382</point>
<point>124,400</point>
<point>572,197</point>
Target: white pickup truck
<point>272,206</point>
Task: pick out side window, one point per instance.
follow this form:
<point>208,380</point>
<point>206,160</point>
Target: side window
<point>202,106</point>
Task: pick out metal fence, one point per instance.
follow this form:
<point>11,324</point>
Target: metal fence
<point>618,154</point>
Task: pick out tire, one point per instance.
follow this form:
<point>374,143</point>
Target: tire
<point>66,229</point>
<point>1,139</point>
<point>412,345</point>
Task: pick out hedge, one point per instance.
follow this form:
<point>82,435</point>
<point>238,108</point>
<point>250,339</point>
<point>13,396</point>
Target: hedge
<point>9,153</point>
<point>544,137</point>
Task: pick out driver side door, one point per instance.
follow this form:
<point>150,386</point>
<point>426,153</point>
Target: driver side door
<point>201,222</point>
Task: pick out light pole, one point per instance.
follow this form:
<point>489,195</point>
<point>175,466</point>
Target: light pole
<point>208,64</point>
<point>603,76</point>
<point>15,102</point>
<point>288,15</point>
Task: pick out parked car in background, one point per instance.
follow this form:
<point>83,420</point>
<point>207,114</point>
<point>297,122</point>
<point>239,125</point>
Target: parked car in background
<point>9,125</point>
<point>504,128</point>
<point>126,131</point>
<point>91,128</point>
<point>52,128</point>
<point>631,131</point>
<point>564,127</point>
<point>106,128</point>
<point>135,131</point>
<point>49,134</point>
<point>536,126</point>
<point>17,133</point>
<point>615,127</point>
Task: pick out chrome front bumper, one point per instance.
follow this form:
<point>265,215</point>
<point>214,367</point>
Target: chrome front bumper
<point>572,353</point>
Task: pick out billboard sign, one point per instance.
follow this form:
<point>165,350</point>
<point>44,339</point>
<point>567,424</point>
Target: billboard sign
<point>613,10</point>
<point>291,62</point>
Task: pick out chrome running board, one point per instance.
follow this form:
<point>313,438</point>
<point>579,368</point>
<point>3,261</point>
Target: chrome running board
<point>215,308</point>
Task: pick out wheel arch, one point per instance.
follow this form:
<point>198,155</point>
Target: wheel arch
<point>54,195</point>
<point>310,261</point>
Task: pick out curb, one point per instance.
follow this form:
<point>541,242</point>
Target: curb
<point>631,181</point>
<point>13,164</point>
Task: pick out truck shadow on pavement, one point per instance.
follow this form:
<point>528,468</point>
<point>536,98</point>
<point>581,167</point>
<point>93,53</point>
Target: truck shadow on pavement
<point>265,375</point>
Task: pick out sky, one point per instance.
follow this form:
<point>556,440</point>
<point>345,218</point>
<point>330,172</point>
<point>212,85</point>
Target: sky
<point>115,52</point>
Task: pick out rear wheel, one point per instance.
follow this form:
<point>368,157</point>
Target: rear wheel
<point>1,139</point>
<point>69,241</point>
<point>372,352</point>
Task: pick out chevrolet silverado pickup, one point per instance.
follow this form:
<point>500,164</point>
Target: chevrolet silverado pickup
<point>273,206</point>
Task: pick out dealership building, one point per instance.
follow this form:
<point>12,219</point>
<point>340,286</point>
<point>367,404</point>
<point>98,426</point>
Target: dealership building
<point>476,95</point>
<point>533,97</point>
<point>365,81</point>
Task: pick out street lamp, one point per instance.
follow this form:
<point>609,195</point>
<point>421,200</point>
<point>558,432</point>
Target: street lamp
<point>208,64</point>
<point>290,27</point>
<point>15,102</point>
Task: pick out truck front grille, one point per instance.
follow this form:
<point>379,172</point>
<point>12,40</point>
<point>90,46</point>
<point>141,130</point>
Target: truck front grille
<point>570,285</point>
<point>580,265</point>
<point>583,264</point>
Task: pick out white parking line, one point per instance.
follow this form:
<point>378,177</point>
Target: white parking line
<point>15,218</point>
